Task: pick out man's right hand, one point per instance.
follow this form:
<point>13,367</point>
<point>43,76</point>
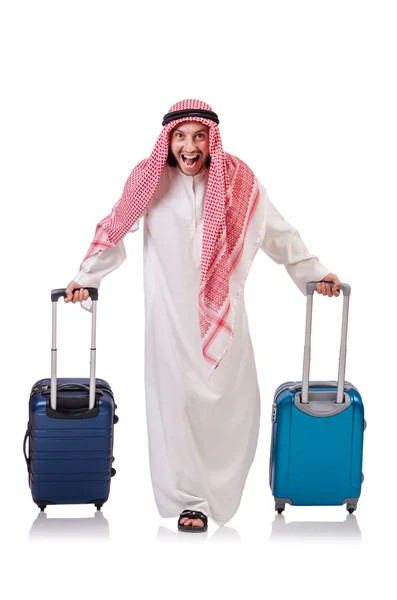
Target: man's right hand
<point>79,295</point>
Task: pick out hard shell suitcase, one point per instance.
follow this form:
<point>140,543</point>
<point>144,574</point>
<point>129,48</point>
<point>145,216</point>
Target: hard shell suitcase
<point>70,432</point>
<point>317,435</point>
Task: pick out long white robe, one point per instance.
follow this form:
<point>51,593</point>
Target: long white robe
<point>202,434</point>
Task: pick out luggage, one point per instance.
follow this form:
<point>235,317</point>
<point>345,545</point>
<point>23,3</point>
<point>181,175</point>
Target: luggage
<point>317,434</point>
<point>70,432</point>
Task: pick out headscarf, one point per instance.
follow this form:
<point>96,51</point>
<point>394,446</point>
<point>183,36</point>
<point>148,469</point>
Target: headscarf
<point>231,198</point>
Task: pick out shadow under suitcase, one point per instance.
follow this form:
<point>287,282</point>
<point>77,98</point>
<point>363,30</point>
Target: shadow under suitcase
<point>308,531</point>
<point>90,529</point>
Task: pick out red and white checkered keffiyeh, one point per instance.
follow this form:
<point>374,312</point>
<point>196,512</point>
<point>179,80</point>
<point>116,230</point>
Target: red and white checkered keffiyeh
<point>231,198</point>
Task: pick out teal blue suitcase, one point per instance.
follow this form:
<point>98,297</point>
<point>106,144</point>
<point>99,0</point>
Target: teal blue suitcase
<point>317,434</point>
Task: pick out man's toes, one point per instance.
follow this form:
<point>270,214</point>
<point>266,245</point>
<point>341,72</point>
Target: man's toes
<point>191,522</point>
<point>197,523</point>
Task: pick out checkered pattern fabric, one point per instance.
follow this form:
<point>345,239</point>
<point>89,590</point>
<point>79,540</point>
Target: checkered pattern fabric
<point>231,198</point>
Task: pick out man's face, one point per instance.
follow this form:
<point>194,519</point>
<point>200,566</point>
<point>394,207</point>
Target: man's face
<point>189,143</point>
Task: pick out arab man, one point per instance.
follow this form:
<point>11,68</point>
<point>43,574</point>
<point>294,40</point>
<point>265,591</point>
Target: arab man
<point>205,217</point>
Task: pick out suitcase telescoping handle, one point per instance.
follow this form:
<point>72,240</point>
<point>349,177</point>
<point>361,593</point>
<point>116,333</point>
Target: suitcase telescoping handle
<point>55,295</point>
<point>310,289</point>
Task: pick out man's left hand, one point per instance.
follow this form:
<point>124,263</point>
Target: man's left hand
<point>325,289</point>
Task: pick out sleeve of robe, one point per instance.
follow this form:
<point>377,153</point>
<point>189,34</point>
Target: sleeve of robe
<point>284,245</point>
<point>95,268</point>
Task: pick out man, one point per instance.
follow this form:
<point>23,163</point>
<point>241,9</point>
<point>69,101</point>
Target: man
<point>206,215</point>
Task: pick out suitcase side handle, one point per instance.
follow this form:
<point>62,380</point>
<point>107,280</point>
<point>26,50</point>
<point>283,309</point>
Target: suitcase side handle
<point>55,295</point>
<point>25,439</point>
<point>346,289</point>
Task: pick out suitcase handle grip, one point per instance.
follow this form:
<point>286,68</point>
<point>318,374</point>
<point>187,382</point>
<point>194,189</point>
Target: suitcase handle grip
<point>311,288</point>
<point>61,293</point>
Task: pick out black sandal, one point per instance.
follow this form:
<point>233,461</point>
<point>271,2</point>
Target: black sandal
<point>193,514</point>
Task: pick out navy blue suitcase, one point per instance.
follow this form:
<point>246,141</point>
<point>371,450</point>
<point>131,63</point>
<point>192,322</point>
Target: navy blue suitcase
<point>70,433</point>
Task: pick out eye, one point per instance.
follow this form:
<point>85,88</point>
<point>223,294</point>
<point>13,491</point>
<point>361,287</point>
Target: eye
<point>200,136</point>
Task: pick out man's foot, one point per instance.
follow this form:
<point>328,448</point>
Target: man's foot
<point>192,521</point>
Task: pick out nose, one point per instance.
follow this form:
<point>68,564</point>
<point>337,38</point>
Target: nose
<point>190,144</point>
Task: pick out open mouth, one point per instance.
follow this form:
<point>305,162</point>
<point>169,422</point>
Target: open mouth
<point>190,160</point>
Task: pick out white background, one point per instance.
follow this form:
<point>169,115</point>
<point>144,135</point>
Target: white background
<point>306,96</point>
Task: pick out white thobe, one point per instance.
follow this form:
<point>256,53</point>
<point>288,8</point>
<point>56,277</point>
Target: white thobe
<point>202,433</point>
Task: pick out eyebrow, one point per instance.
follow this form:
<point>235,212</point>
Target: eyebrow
<point>199,131</point>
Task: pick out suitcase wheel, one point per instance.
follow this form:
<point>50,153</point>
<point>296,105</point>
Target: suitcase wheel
<point>279,507</point>
<point>351,507</point>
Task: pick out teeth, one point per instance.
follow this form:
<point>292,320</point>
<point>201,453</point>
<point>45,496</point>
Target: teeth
<point>185,158</point>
